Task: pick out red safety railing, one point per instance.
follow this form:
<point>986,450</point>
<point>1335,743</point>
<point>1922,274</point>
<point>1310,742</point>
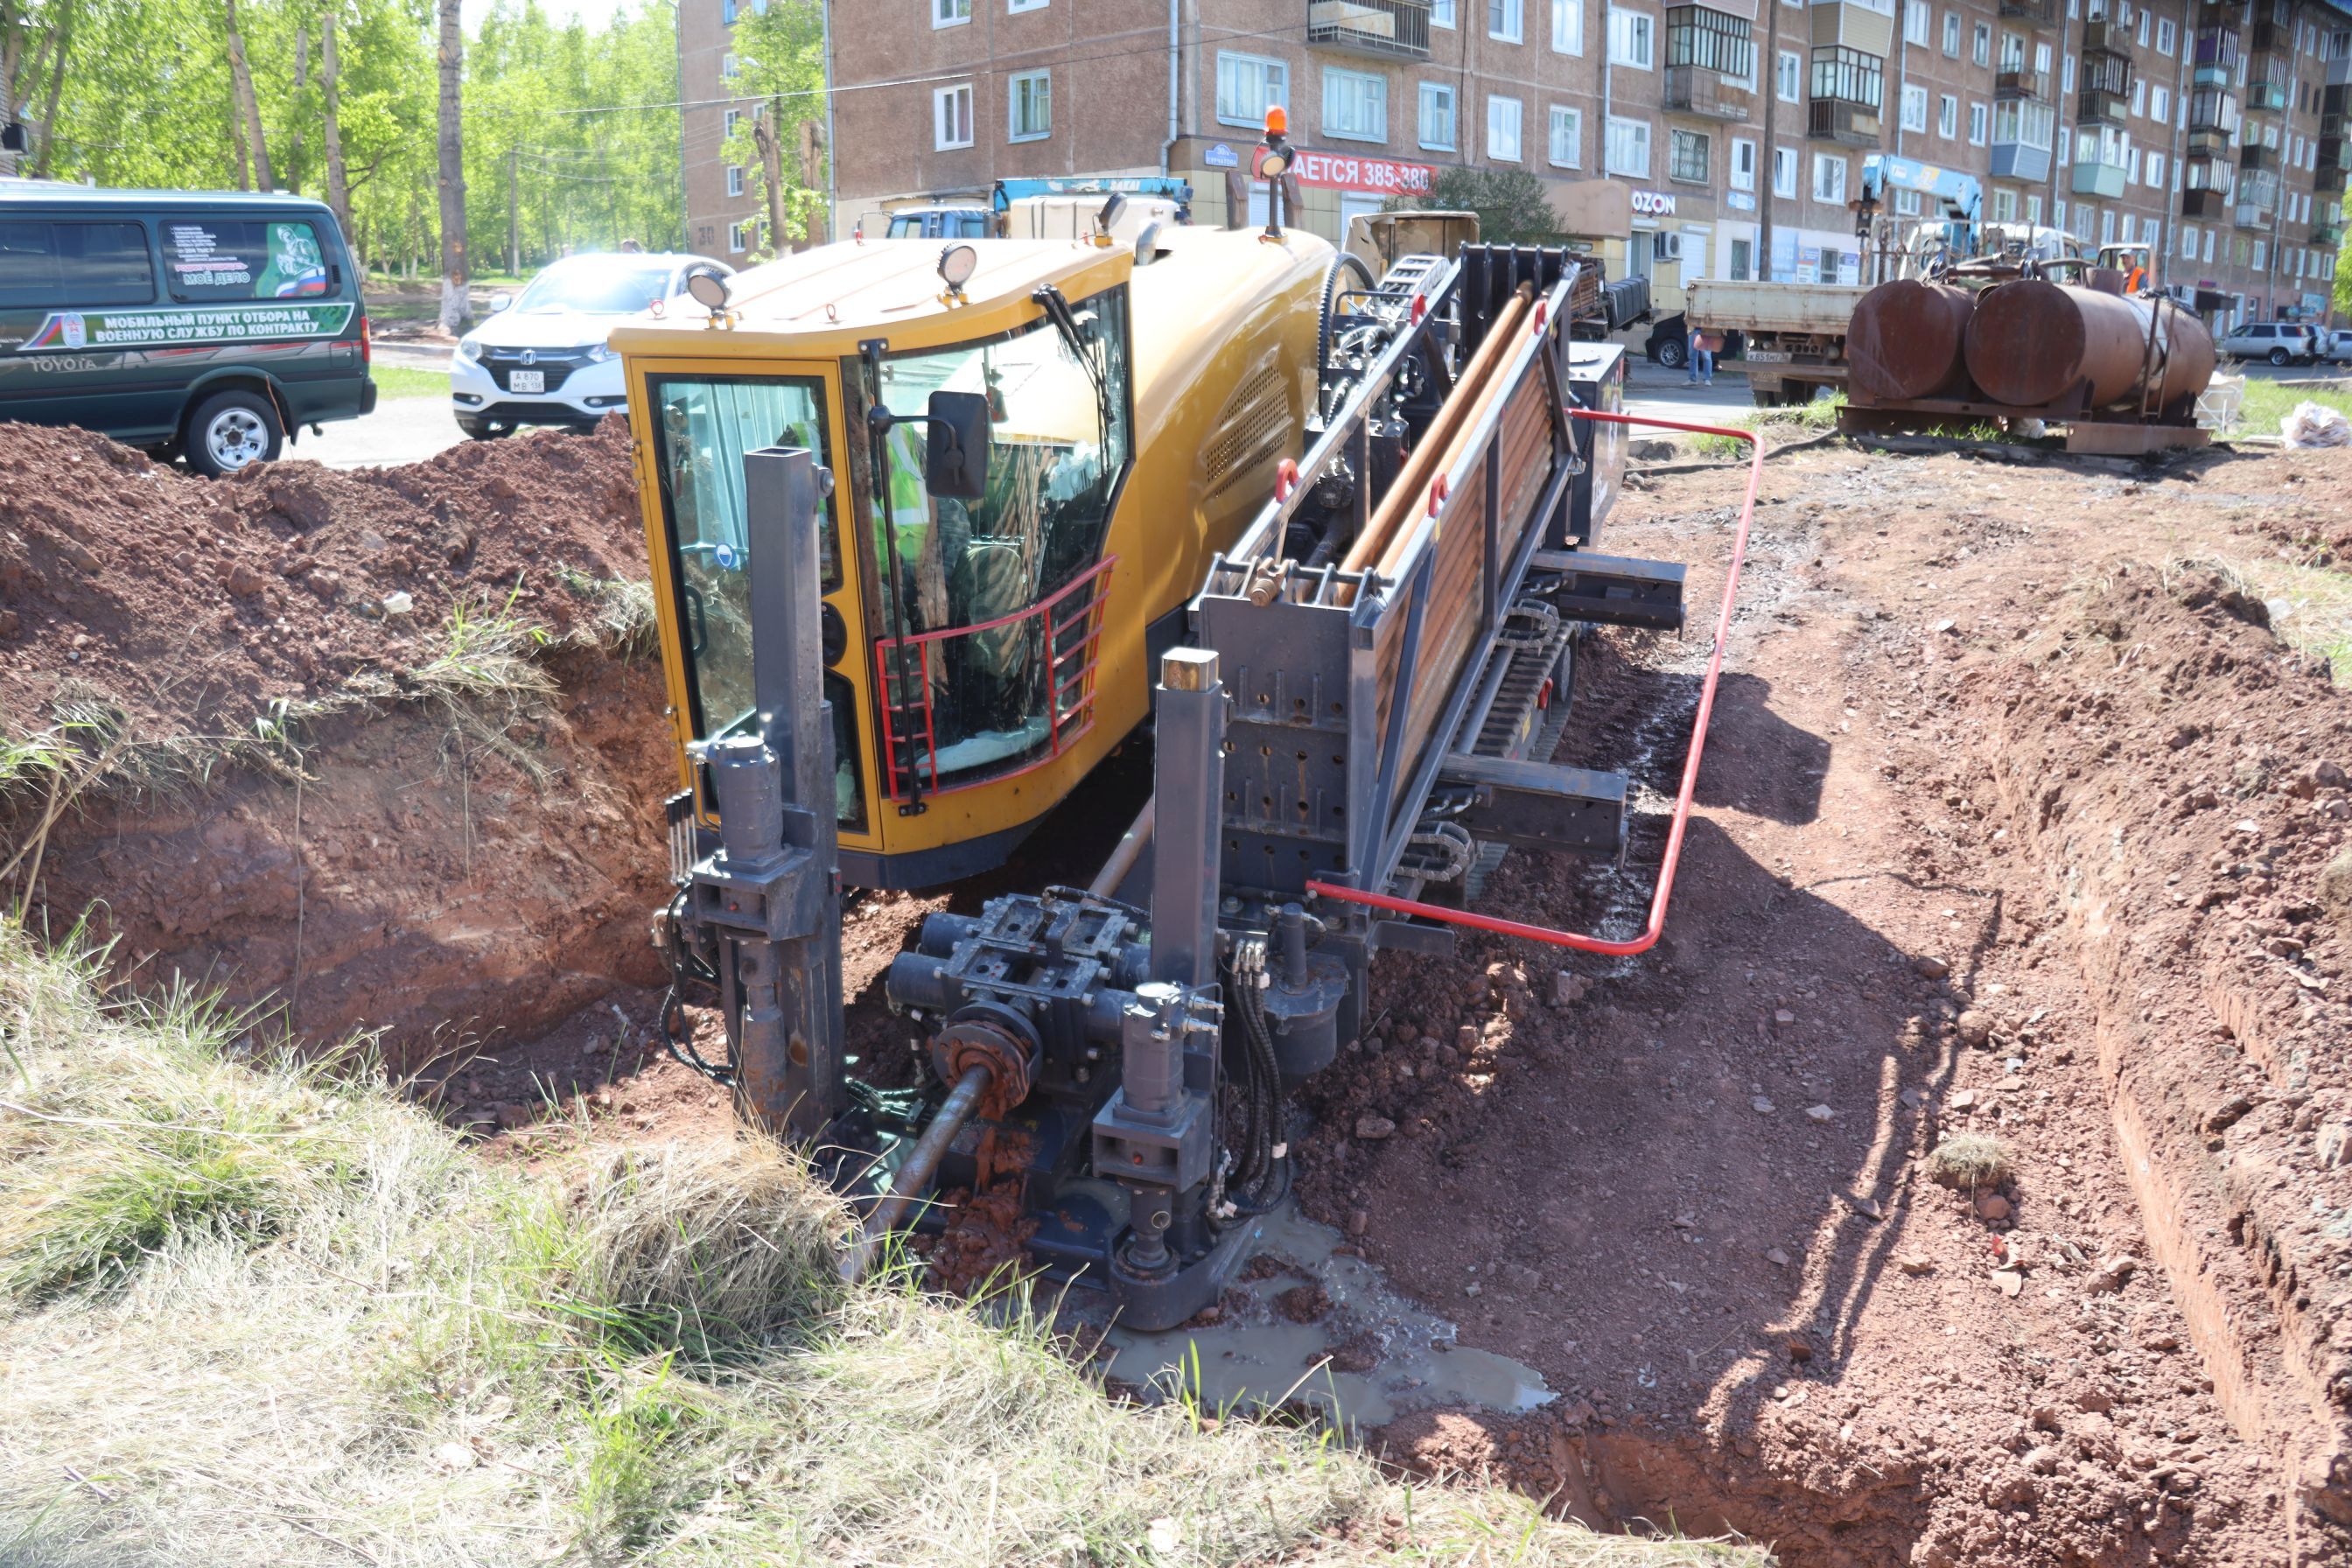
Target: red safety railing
<point>1626,947</point>
<point>1067,659</point>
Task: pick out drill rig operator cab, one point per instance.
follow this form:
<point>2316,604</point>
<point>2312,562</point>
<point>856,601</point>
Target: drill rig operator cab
<point>1035,449</point>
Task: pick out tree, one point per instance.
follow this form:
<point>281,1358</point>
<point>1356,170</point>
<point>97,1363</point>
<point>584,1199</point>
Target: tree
<point>248,105</point>
<point>339,184</point>
<point>1510,202</point>
<point>781,53</point>
<point>450,149</point>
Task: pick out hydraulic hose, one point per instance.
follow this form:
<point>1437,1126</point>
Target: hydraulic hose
<point>914,1176</point>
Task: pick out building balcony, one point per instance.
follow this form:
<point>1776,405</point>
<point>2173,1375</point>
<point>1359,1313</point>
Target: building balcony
<point>2253,155</point>
<point>2327,236</point>
<point>1841,24</point>
<point>1695,90</point>
<point>2327,179</point>
<point>2208,142</point>
<point>2024,82</point>
<point>2268,36</point>
<point>2266,86</point>
<point>2253,216</point>
<point>1836,119</point>
<point>2206,205</point>
<point>2214,62</point>
<point>2339,71</point>
<point>1384,29</point>
<point>2103,37</point>
<point>2021,161</point>
<point>2033,13</point>
<point>2095,106</point>
<point>2103,180</point>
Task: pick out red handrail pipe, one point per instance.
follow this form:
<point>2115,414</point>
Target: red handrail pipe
<point>1616,948</point>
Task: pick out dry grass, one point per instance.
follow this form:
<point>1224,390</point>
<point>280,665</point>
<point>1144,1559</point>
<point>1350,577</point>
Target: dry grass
<point>625,622</point>
<point>1969,1160</point>
<point>252,1313</point>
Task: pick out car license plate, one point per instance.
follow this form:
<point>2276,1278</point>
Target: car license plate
<point>1768,356</point>
<point>527,381</point>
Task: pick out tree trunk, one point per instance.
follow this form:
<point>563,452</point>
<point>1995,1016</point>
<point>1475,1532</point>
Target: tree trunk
<point>248,107</point>
<point>236,139</point>
<point>339,184</point>
<point>451,144</point>
<point>302,83</point>
<point>12,57</point>
<point>42,158</point>
<point>820,219</point>
<point>771,171</point>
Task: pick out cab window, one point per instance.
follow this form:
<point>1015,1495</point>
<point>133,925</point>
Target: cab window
<point>979,688</point>
<point>62,265</point>
<point>703,428</point>
<point>209,259</point>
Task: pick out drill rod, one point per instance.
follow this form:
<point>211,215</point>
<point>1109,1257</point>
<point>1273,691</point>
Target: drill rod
<point>916,1175</point>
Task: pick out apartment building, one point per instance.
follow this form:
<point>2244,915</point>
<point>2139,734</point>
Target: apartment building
<point>724,217</point>
<point>1737,129</point>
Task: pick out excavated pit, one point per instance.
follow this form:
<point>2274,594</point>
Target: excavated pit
<point>1970,857</point>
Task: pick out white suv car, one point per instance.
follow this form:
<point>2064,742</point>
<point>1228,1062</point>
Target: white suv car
<point>2280,342</point>
<point>540,358</point>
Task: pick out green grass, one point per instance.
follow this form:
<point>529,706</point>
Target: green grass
<point>2266,403</point>
<point>1793,421</point>
<point>255,1312</point>
<point>408,380</point>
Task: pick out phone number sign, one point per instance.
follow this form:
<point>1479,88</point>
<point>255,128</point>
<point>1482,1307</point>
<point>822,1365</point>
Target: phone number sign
<point>1347,172</point>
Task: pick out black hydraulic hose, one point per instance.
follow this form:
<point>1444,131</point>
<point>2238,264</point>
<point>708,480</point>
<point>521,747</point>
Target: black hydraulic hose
<point>914,1176</point>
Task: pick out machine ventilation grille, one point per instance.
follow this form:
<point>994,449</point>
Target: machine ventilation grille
<point>1254,424</point>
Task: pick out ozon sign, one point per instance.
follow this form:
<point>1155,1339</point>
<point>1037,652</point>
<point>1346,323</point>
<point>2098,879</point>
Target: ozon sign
<point>1654,204</point>
<point>1346,172</point>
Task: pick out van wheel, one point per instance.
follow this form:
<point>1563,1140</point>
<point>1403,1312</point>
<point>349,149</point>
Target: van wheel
<point>2280,356</point>
<point>230,431</point>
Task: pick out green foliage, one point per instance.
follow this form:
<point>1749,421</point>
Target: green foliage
<point>558,130</point>
<point>779,53</point>
<point>1510,202</point>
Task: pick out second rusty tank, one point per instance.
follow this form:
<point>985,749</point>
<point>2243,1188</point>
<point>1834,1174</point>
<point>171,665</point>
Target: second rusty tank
<point>1907,341</point>
<point>2031,342</point>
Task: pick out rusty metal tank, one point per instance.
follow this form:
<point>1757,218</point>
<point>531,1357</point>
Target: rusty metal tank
<point>1907,341</point>
<point>2031,343</point>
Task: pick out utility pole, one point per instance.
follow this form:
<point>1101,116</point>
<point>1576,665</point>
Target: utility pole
<point>1769,175</point>
<point>450,147</point>
<point>514,239</point>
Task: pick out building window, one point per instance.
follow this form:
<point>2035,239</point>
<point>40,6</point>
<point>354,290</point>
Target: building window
<point>727,67</point>
<point>734,179</point>
<point>1918,22</point>
<point>1567,137</point>
<point>2140,97</point>
<point>1784,172</point>
<point>2156,170</point>
<point>1915,109</point>
<point>734,239</point>
<point>2013,51</point>
<point>1247,86</point>
<point>1687,153</point>
<point>2164,37</point>
<point>1983,48</point>
<point>1437,116</point>
<point>951,13</point>
<point>1016,6</point>
<point>2159,105</point>
<point>2143,27</point>
<point>1629,147</point>
<point>734,118</point>
<point>1506,19</point>
<point>1743,164</point>
<point>952,116</point>
<point>2004,207</point>
<point>1743,254</point>
<point>1568,27</point>
<point>1028,106</point>
<point>2021,120</point>
<point>1978,120</point>
<point>1503,130</point>
<point>1948,116</point>
<point>1849,76</point>
<point>1829,179</point>
<point>1355,105</point>
<point>1951,35</point>
<point>1440,13</point>
<point>1712,40</point>
<point>1632,38</point>
<point>1791,83</point>
<point>2034,210</point>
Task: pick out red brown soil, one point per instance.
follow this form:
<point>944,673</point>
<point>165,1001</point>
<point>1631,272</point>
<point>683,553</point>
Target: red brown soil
<point>1980,771</point>
<point>396,876</point>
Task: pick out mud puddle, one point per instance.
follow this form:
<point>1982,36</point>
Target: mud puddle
<point>1310,1325</point>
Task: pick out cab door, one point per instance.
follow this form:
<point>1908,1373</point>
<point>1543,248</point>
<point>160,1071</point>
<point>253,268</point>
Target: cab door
<point>704,417</point>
